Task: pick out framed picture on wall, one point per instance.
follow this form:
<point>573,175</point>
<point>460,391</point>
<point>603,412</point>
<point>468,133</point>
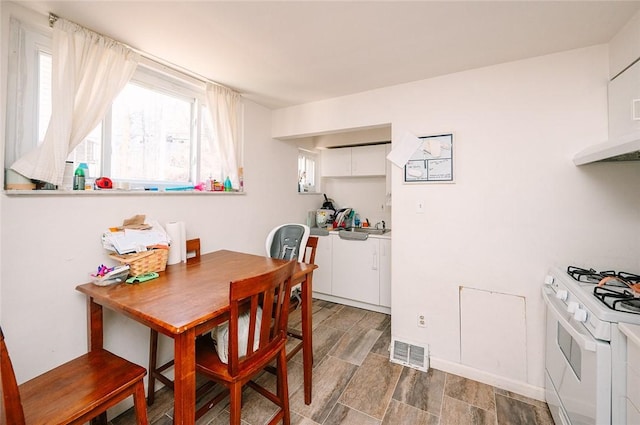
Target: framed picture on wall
<point>432,162</point>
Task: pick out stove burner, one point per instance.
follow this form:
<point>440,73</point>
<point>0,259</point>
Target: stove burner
<point>633,305</point>
<point>629,277</point>
<point>617,300</point>
<point>592,276</point>
<point>584,275</point>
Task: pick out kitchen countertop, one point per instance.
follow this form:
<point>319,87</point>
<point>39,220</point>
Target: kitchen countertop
<point>317,231</point>
<point>631,331</point>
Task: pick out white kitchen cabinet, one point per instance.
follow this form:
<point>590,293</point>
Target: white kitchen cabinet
<point>322,275</point>
<point>356,270</point>
<point>632,332</point>
<point>336,162</point>
<point>385,272</point>
<point>624,103</point>
<point>624,47</point>
<point>367,160</point>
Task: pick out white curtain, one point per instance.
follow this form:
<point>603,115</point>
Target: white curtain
<point>89,70</point>
<point>223,105</point>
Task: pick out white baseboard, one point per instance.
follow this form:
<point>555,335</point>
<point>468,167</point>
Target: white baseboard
<point>352,303</point>
<point>501,382</point>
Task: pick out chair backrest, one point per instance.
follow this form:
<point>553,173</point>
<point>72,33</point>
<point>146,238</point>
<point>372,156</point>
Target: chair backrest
<point>310,255</point>
<point>193,246</point>
<point>245,296</point>
<point>287,241</point>
<point>11,412</point>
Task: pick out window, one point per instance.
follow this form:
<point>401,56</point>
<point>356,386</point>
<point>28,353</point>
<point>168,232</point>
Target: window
<point>306,171</point>
<point>158,130</point>
<point>150,136</point>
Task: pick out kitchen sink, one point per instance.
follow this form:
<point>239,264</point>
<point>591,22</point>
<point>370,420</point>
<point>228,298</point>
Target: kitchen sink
<point>369,230</point>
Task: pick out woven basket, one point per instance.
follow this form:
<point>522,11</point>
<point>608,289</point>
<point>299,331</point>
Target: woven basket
<point>139,263</point>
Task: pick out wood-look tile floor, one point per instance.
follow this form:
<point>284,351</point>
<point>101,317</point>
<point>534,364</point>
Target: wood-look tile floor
<point>355,384</point>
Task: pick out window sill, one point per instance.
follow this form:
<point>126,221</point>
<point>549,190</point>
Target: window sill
<point>116,192</point>
<point>309,193</point>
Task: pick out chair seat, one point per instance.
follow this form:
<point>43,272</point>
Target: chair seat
<point>76,388</point>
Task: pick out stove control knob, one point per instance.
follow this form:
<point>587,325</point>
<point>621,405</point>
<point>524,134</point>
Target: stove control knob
<point>572,306</point>
<point>548,280</point>
<point>580,315</point>
<point>562,294</point>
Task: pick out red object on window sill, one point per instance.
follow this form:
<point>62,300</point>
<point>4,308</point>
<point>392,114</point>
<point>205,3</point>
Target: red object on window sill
<point>104,183</point>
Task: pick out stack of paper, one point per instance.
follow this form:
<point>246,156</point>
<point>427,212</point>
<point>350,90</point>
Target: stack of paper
<point>132,240</point>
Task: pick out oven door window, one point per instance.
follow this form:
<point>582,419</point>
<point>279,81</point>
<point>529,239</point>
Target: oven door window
<point>571,351</point>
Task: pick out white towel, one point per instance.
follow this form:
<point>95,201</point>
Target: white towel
<point>221,335</point>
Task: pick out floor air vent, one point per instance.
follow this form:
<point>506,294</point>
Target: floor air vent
<point>411,355</point>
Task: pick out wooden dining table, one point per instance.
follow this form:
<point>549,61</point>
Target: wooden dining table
<point>187,300</point>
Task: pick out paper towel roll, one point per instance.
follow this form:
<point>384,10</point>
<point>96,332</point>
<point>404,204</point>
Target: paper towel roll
<point>178,248</point>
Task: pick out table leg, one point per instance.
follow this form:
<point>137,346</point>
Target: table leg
<point>307,337</point>
<point>95,338</point>
<point>184,391</point>
<point>96,326</point>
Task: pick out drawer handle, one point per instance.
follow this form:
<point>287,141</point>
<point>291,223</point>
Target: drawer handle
<point>586,342</point>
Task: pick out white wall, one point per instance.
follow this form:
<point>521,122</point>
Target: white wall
<point>366,195</point>
<point>50,244</point>
<point>518,205</point>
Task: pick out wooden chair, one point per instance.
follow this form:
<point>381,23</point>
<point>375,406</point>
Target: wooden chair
<point>157,372</point>
<point>294,303</point>
<point>72,393</point>
<point>290,241</point>
<point>310,253</point>
<point>193,246</point>
<point>245,297</point>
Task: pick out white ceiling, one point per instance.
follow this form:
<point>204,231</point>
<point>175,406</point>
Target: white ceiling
<point>287,53</point>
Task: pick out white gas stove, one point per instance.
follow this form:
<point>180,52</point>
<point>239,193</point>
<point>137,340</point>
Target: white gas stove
<point>585,352</point>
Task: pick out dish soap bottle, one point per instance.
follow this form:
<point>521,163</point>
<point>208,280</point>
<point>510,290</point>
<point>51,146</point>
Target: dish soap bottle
<point>78,178</point>
<point>227,185</point>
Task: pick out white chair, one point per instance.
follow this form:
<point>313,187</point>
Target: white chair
<point>288,241</point>
<point>291,241</point>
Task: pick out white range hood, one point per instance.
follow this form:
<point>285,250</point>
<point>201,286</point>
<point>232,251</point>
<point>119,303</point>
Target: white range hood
<point>624,121</point>
<point>625,148</point>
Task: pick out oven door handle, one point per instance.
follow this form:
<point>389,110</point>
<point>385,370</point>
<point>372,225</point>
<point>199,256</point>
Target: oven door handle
<point>586,342</point>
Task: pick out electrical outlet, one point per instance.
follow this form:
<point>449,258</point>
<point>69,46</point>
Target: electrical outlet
<point>422,320</point>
